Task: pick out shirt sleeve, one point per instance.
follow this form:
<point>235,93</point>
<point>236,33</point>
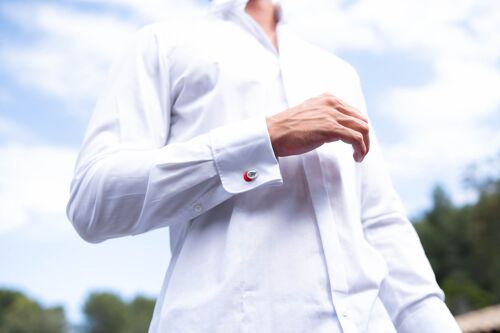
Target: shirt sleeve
<point>410,292</point>
<point>128,181</point>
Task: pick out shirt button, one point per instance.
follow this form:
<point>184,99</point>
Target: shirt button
<point>342,311</point>
<point>198,208</point>
<point>250,175</point>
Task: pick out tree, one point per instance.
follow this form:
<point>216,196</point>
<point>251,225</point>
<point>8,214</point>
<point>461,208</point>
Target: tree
<point>107,312</point>
<point>485,235</point>
<point>19,314</point>
<point>140,311</point>
<point>463,243</point>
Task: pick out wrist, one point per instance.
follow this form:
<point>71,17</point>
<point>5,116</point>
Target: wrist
<point>271,129</point>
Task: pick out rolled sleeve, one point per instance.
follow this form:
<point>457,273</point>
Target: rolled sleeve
<point>241,148</point>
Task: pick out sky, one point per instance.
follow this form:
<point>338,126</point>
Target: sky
<point>430,71</point>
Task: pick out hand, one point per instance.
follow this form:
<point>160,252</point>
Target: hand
<point>317,121</point>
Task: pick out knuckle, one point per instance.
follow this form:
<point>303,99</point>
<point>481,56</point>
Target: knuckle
<point>365,128</point>
<point>325,100</point>
<point>333,125</point>
<point>331,100</point>
<point>339,116</point>
<point>336,101</point>
<point>333,114</point>
<point>358,137</point>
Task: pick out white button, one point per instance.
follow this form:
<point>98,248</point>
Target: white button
<point>343,311</point>
<point>198,208</point>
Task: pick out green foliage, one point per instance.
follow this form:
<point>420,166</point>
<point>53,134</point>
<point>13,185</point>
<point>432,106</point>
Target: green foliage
<point>108,313</point>
<point>463,246</point>
<point>140,313</point>
<point>19,314</point>
<point>462,295</point>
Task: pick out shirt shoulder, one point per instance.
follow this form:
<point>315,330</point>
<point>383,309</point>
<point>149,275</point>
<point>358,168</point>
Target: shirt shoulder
<point>185,28</point>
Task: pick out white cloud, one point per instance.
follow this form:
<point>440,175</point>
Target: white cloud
<point>460,27</point>
<point>10,130</point>
<point>154,10</point>
<point>34,188</point>
<point>446,127</point>
<point>70,60</point>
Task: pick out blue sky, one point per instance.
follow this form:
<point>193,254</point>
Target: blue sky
<point>431,81</point>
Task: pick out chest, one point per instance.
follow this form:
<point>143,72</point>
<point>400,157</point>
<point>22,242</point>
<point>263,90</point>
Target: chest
<point>228,75</point>
<point>230,64</point>
<point>227,64</point>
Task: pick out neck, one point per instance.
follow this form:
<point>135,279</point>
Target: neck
<point>264,13</point>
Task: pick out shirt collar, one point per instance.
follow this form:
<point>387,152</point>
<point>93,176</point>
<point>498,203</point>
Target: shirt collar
<point>239,5</point>
<point>220,5</point>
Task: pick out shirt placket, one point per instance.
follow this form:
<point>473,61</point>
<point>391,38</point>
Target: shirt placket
<point>335,257</point>
<point>325,216</point>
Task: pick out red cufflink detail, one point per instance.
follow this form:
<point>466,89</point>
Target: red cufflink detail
<point>250,175</point>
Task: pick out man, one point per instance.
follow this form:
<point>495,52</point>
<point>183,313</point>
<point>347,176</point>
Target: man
<point>252,146</point>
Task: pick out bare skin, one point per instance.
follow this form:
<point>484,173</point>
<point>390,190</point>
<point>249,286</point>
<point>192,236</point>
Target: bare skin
<point>316,121</point>
<point>264,13</point>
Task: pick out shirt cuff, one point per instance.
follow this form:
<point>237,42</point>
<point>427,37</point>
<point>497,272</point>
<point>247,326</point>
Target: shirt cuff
<point>244,156</point>
<point>429,316</point>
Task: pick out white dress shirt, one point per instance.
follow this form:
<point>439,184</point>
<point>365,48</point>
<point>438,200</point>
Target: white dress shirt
<point>313,243</point>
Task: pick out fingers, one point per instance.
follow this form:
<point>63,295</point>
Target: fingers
<point>355,129</point>
<point>353,138</point>
<point>326,118</point>
<point>359,126</point>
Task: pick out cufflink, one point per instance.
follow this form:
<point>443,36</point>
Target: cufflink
<point>250,175</point>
